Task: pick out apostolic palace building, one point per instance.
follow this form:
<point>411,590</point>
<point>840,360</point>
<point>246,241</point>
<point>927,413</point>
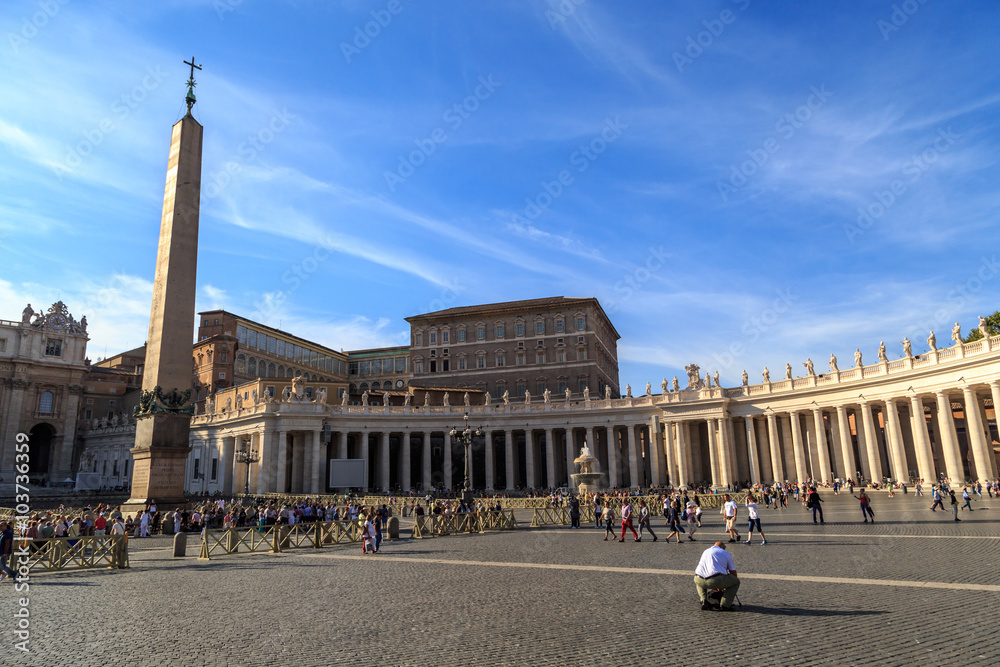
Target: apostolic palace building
<point>538,378</point>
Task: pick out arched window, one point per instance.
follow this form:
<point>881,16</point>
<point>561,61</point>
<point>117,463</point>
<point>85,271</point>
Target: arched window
<point>376,385</point>
<point>252,366</point>
<point>46,402</point>
<point>270,370</point>
<point>241,363</point>
<point>281,371</point>
<point>288,372</point>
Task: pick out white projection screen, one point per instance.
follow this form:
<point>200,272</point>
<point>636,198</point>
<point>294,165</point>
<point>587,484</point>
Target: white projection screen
<point>345,473</point>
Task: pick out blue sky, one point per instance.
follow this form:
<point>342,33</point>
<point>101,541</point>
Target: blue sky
<point>741,184</point>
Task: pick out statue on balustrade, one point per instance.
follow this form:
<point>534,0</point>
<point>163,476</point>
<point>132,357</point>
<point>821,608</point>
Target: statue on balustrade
<point>788,371</point>
<point>229,404</point>
<point>465,399</point>
<point>932,341</point>
<point>447,399</point>
<point>385,398</point>
<point>210,404</point>
<point>677,384</point>
<point>364,397</point>
<point>956,333</point>
<point>982,327</point>
<point>746,378</point>
<point>907,347</point>
<point>344,397</point>
<point>26,314</point>
<point>694,376</point>
<point>506,397</point>
<point>586,393</point>
<point>708,380</point>
<point>664,386</point>
<point>628,391</point>
<point>407,398</point>
<point>238,403</point>
<point>810,370</point>
<point>766,375</point>
<point>546,396</point>
<point>857,357</point>
<point>833,363</point>
<point>427,398</point>
<point>881,351</point>
<point>320,395</point>
<point>715,379</point>
<point>254,395</point>
<point>568,394</point>
<point>649,389</point>
<point>527,397</point>
<point>486,397</point>
<point>607,392</point>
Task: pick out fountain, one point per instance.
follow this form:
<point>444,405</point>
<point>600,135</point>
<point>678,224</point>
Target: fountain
<point>590,477</point>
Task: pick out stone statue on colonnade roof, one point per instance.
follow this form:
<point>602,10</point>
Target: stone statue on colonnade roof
<point>677,384</point>
<point>932,341</point>
<point>881,351</point>
<point>506,397</point>
<point>788,371</point>
<point>907,347</point>
<point>694,376</point>
<point>568,394</point>
<point>956,333</point>
<point>715,379</point>
<point>527,397</point>
<point>746,378</point>
<point>465,399</point>
<point>344,396</point>
<point>649,389</point>
<point>857,357</point>
<point>628,391</point>
<point>546,395</point>
<point>982,327</point>
<point>810,370</point>
<point>833,363</point>
<point>364,397</point>
<point>664,386</point>
<point>766,375</point>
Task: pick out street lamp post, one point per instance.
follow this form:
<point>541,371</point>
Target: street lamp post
<point>464,438</point>
<point>247,456</point>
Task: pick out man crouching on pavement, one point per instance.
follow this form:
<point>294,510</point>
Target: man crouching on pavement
<point>716,570</point>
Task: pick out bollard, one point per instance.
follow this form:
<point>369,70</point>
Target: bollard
<point>180,545</point>
<point>393,528</point>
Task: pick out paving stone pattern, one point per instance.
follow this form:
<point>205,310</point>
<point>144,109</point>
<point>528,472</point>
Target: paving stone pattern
<point>404,607</point>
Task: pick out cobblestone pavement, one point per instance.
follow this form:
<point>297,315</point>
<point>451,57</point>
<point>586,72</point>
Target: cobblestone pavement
<point>913,588</point>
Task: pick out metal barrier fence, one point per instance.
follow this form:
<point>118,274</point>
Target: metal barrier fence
<point>69,553</point>
<point>439,525</point>
<point>278,538</point>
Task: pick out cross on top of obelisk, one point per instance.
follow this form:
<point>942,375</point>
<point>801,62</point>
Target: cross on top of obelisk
<point>190,98</point>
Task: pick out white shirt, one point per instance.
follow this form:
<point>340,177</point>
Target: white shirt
<point>715,560</point>
<point>730,509</point>
<point>752,508</point>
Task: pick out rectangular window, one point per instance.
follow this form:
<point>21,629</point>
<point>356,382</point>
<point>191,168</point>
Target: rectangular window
<point>53,348</point>
<point>480,333</point>
<point>313,358</point>
<point>500,360</point>
<point>366,368</point>
<point>561,355</point>
<point>499,331</point>
<point>445,336</point>
<point>539,388</point>
<point>461,363</point>
<point>251,338</point>
<point>519,327</point>
<point>298,353</point>
<point>222,376</point>
<point>215,469</point>
<point>418,339</point>
<point>581,323</point>
<point>480,362</point>
<point>87,414</point>
<point>3,344</point>
<point>539,357</point>
<point>520,389</point>
<point>444,366</point>
<point>540,327</point>
<point>352,368</point>
<point>433,337</point>
<point>583,384</point>
<point>125,469</point>
<point>197,467</point>
<point>461,337</point>
<point>241,334</point>
<point>520,359</point>
<point>418,367</point>
<point>581,354</point>
<point>45,403</point>
<point>400,364</point>
<point>562,386</point>
<point>272,344</point>
<point>280,348</point>
<point>377,367</point>
<point>433,366</point>
<point>560,326</point>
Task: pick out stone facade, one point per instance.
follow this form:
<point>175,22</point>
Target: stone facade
<point>42,367</point>
<point>919,417</point>
<point>518,347</point>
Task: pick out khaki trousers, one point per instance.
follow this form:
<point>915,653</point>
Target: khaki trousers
<point>730,584</point>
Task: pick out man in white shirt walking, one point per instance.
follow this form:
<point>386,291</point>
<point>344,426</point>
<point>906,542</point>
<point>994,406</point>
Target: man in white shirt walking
<point>729,511</point>
<point>716,571</point>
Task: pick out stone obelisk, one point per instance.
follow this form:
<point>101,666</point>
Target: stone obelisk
<point>163,416</point>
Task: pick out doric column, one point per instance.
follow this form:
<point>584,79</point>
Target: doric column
<point>226,467</point>
<point>823,450</point>
<point>364,454</point>
<point>16,390</point>
<point>613,477</point>
<point>656,466</point>
<point>550,458</point>
<point>670,449</point>
<point>684,475</point>
<point>977,438</point>
<point>342,445</point>
<point>774,445</point>
<point>871,442</point>
<point>383,462</point>
<point>899,469</point>
<point>954,468</point>
<point>263,442</point>
<point>570,447</point>
<point>725,460</point>
<point>730,437</point>
<point>633,458</point>
<point>529,459</point>
<point>921,440</point>
<point>425,453</point>
<point>801,474</point>
<point>752,450</point>
<point>846,450</point>
<point>490,462</point>
<point>316,470</point>
<point>995,394</point>
<point>509,457</point>
<point>280,478</point>
<point>404,476</point>
<point>713,453</point>
<point>447,461</point>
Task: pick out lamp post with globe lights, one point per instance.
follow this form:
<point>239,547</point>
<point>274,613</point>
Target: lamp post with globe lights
<point>247,456</point>
<point>464,438</point>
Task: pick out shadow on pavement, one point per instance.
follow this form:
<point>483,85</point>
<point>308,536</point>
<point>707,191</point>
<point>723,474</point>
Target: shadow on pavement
<point>804,611</point>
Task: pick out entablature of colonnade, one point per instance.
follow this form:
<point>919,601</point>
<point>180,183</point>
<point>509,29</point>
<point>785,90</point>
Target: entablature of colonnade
<point>950,369</point>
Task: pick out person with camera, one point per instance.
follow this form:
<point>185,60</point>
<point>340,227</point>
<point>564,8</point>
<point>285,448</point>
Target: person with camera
<point>716,571</point>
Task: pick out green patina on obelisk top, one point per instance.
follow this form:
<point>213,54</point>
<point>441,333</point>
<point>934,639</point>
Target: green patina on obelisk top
<point>163,416</point>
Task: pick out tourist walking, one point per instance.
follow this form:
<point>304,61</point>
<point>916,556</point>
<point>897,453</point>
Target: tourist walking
<point>644,521</point>
<point>754,520</point>
<point>673,521</point>
<point>627,520</point>
<point>866,507</point>
<point>936,495</point>
<point>691,512</point>
<point>954,503</point>
<point>967,498</point>
<point>6,548</point>
<point>609,521</point>
<point>813,502</point>
<point>729,511</point>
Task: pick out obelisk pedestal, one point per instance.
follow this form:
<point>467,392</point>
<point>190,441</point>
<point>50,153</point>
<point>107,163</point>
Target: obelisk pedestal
<point>165,407</point>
